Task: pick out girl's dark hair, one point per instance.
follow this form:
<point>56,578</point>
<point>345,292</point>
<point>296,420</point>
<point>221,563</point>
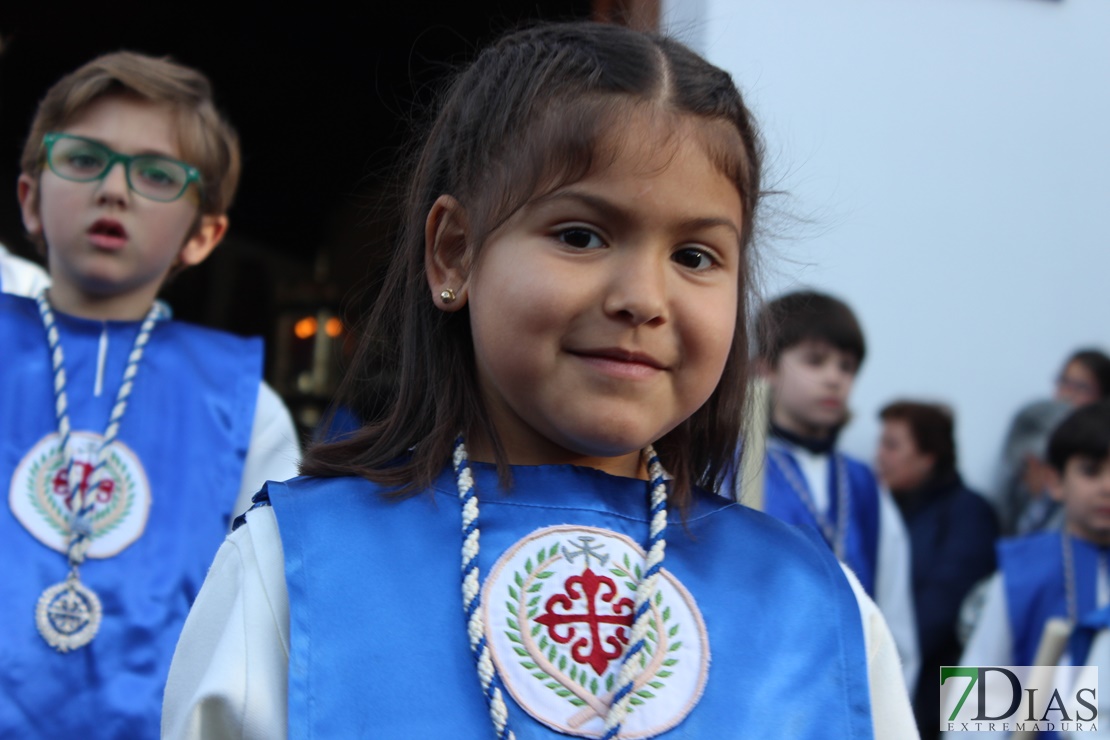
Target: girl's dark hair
<point>932,428</point>
<point>1085,432</point>
<point>1099,366</point>
<point>535,111</point>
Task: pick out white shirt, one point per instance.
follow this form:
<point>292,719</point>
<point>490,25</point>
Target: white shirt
<point>893,572</point>
<point>19,276</point>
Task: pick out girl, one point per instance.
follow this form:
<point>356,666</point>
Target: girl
<point>566,316</point>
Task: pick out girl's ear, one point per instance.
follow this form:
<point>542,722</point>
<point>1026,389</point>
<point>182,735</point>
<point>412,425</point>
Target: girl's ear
<point>446,253</point>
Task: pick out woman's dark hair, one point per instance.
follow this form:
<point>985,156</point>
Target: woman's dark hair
<point>1086,432</point>
<point>1099,366</point>
<point>536,110</point>
<point>931,427</point>
<point>807,315</point>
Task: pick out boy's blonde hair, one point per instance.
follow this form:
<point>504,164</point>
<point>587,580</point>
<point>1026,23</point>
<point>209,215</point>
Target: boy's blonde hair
<point>207,140</point>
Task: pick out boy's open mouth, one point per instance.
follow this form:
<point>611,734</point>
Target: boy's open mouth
<point>108,233</point>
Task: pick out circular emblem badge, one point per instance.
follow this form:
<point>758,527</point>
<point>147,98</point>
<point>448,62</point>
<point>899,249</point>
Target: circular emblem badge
<point>43,500</point>
<point>558,610</point>
<point>68,615</point>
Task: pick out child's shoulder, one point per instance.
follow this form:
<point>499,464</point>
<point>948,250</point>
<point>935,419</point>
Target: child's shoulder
<point>712,514</point>
<point>1012,551</point>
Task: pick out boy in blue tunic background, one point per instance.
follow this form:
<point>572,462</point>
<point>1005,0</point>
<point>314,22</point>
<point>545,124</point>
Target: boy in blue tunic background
<point>1058,574</point>
<point>126,437</point>
<point>810,349</point>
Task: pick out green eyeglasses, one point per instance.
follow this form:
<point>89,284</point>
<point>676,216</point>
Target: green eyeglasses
<point>150,175</point>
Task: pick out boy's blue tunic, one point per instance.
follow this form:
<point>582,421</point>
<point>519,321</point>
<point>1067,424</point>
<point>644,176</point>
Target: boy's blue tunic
<point>782,501</point>
<point>183,440</point>
<point>757,632</point>
<point>1034,577</point>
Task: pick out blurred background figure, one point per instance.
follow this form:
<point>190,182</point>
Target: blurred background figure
<point>952,533</point>
<point>1084,379</point>
<point>1020,494</point>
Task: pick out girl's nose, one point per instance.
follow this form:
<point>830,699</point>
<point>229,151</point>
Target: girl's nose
<point>113,186</point>
<point>637,289</point>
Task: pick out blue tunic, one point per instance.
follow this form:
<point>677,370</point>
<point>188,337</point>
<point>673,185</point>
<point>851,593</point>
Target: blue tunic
<point>1035,580</point>
<point>378,638</point>
<point>175,477</point>
<point>783,501</point>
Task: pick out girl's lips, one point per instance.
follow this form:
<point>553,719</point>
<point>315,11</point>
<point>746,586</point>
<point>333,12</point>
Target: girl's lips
<point>107,233</point>
<point>621,363</point>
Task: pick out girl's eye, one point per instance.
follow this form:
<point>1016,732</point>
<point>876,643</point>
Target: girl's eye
<point>580,238</point>
<point>693,258</point>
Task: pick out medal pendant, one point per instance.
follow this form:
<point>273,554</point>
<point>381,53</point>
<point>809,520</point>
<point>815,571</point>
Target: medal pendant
<point>68,615</point>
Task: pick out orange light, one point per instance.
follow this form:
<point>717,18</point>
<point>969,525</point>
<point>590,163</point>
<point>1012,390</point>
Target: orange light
<point>305,328</point>
<point>333,327</point>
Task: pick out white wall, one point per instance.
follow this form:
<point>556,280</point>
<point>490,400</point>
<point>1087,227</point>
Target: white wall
<point>952,158</point>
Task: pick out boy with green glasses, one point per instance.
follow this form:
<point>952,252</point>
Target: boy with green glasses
<point>126,437</point>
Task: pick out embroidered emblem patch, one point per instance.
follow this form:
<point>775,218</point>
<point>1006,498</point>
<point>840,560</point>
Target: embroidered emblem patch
<point>558,612</point>
<point>42,500</point>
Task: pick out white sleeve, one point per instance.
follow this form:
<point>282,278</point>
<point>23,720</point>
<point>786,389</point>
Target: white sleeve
<point>229,676</point>
<point>274,452</point>
<point>990,643</point>
<point>894,587</point>
<point>891,713</point>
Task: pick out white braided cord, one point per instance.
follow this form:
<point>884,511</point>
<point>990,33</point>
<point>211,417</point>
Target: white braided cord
<point>80,530</point>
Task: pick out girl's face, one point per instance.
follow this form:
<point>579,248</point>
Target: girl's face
<point>603,312</point>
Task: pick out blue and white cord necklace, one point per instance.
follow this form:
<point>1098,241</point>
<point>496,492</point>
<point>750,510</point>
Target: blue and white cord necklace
<point>68,614</point>
<point>471,589</point>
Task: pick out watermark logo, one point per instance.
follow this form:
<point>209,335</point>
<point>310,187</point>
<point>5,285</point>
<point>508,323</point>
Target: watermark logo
<point>1019,698</point>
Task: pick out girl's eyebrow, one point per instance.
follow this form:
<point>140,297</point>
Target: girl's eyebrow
<point>610,210</point>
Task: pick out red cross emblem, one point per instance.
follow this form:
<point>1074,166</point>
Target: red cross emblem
<point>589,592</point>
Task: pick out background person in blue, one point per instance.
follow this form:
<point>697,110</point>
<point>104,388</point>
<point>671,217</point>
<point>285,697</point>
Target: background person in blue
<point>567,308</point>
<point>126,437</point>
<point>1057,575</point>
<point>810,349</point>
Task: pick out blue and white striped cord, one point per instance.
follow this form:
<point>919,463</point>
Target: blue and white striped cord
<point>472,596</point>
<point>631,667</point>
<point>472,602</point>
<point>80,528</point>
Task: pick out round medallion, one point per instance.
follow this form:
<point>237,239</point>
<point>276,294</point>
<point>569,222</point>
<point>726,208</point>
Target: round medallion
<point>68,615</point>
<point>43,498</point>
<point>559,607</point>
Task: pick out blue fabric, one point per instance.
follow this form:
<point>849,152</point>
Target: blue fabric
<point>861,542</point>
<point>1033,577</point>
<point>378,640</point>
<point>189,421</point>
<point>1083,636</point>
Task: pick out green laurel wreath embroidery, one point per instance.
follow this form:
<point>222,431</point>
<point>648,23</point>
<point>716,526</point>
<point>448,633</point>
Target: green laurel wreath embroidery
<point>39,487</point>
<point>544,662</point>
<point>105,519</point>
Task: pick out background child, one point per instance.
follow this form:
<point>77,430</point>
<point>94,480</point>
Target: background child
<point>1057,573</point>
<point>952,533</point>
<point>568,295</point>
<point>126,436</point>
<point>810,349</point>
